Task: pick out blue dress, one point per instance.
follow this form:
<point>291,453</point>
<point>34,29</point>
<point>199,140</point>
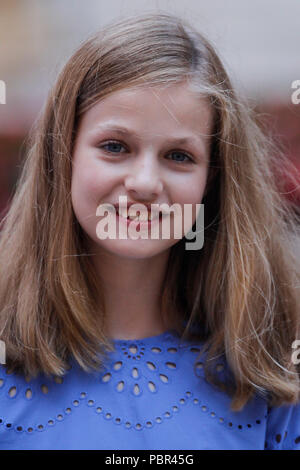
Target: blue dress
<point>149,396</point>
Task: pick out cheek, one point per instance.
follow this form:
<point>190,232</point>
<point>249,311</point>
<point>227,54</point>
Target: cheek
<point>190,189</point>
<point>90,183</point>
<point>188,192</point>
<point>83,194</point>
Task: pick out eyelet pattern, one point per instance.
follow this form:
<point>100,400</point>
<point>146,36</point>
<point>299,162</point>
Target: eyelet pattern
<point>161,378</point>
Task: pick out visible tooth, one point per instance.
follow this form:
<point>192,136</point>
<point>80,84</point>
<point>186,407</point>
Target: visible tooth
<point>154,215</point>
<point>123,212</point>
<point>133,217</point>
<point>131,214</point>
<point>144,216</point>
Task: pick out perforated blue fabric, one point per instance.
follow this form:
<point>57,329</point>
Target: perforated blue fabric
<point>149,396</point>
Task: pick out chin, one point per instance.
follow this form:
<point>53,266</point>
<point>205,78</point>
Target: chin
<point>136,249</point>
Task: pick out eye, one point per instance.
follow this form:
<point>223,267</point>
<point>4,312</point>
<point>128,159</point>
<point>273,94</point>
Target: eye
<point>112,146</point>
<point>181,157</point>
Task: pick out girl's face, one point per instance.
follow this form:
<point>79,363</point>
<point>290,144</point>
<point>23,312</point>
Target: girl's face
<point>151,145</point>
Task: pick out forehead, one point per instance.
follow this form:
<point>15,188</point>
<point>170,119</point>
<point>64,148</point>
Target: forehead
<point>156,109</point>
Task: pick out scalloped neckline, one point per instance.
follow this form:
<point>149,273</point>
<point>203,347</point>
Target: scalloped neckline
<point>147,339</point>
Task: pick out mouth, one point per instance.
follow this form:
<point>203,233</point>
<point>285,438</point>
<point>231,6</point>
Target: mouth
<point>143,219</point>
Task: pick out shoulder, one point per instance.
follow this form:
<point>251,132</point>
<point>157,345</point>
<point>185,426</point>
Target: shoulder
<point>283,427</point>
<point>27,404</point>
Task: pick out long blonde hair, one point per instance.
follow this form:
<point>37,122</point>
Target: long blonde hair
<point>241,287</point>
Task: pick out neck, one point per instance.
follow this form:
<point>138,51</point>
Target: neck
<point>132,294</point>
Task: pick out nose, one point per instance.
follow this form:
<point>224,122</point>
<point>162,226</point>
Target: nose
<point>144,182</point>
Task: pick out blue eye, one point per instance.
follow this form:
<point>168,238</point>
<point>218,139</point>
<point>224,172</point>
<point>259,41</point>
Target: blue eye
<point>183,157</point>
<point>114,147</point>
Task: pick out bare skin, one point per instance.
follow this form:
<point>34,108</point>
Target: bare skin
<point>139,165</point>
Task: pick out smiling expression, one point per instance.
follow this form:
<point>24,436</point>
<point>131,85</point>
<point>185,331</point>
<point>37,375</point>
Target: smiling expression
<point>149,144</point>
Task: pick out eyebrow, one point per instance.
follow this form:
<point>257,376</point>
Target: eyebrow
<point>124,131</point>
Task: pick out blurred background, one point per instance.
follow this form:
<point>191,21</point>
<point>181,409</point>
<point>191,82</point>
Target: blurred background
<point>258,41</point>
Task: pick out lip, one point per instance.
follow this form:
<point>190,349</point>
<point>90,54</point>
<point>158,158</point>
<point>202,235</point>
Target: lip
<point>138,223</point>
<point>129,204</point>
<point>148,207</point>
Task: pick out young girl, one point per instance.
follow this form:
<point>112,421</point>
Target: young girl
<point>124,343</point>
